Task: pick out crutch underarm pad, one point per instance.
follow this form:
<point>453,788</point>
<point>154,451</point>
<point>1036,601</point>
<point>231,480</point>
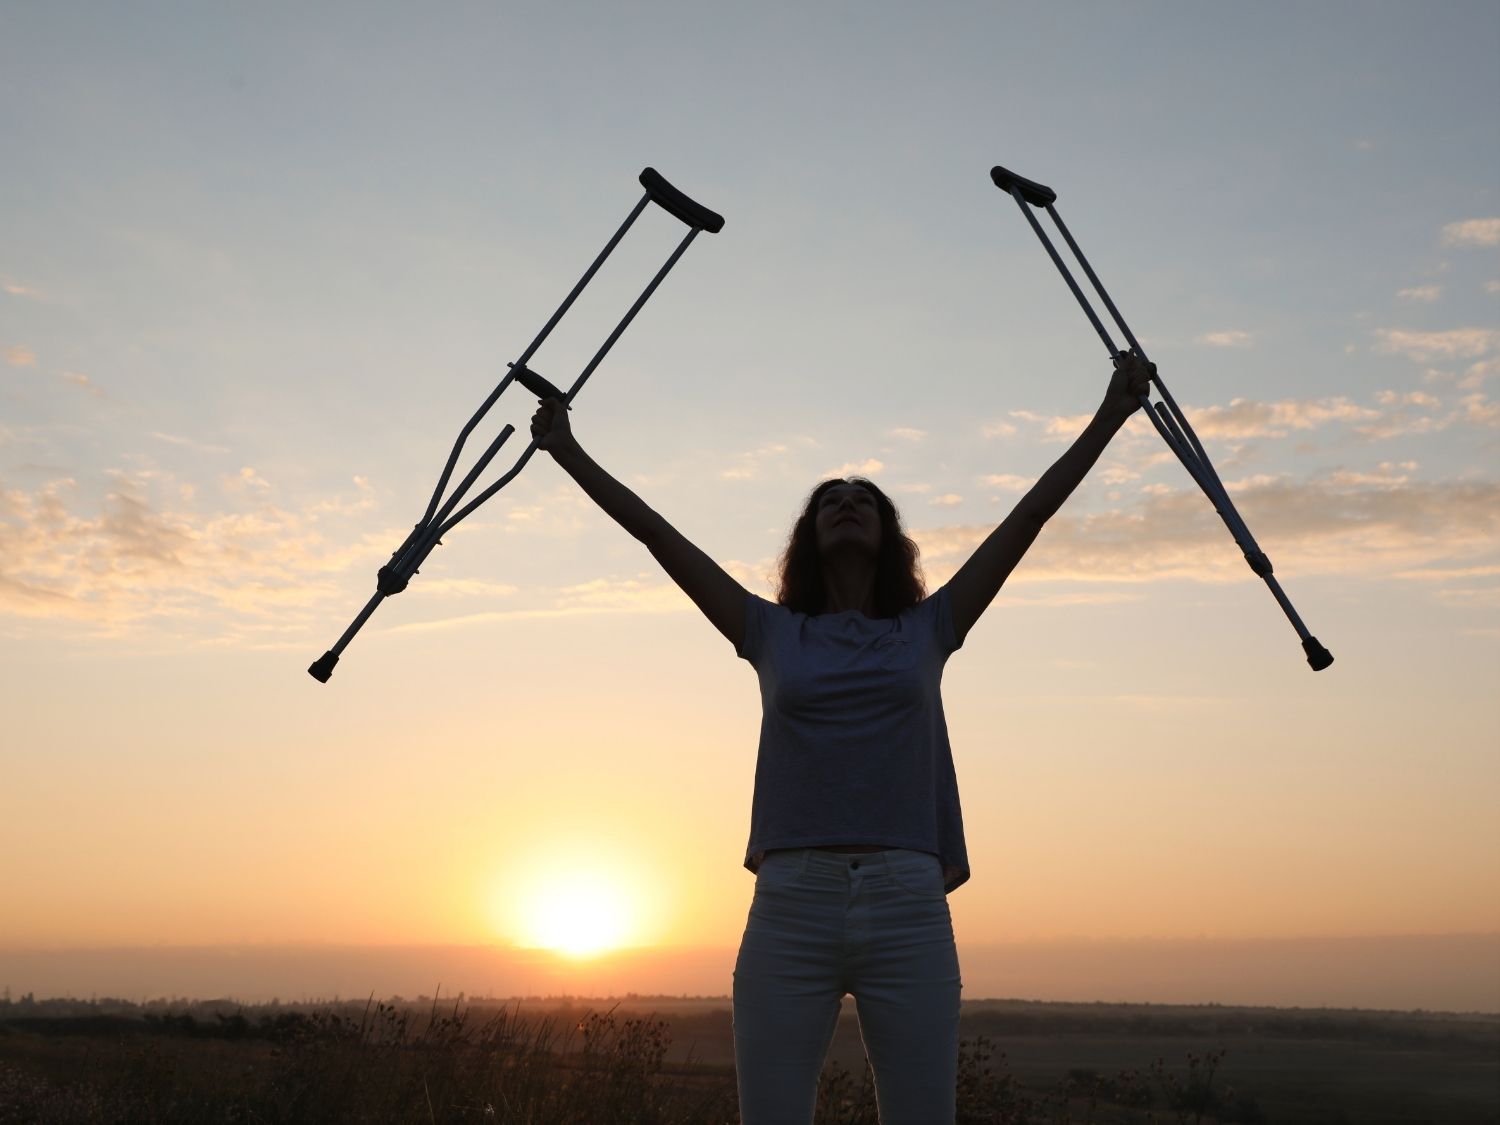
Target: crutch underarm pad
<point>1318,656</point>
<point>674,202</point>
<point>1038,195</point>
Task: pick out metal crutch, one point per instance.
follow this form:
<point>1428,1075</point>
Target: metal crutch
<point>1169,421</point>
<point>428,533</point>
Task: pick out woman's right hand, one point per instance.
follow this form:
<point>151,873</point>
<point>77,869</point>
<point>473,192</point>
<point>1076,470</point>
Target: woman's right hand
<point>550,428</point>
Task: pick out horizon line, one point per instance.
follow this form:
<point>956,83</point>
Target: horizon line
<point>1067,939</point>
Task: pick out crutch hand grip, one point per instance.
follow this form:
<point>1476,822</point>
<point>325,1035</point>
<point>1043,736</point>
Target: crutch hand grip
<point>675,203</point>
<point>1038,195</point>
<point>1318,656</point>
<point>536,384</point>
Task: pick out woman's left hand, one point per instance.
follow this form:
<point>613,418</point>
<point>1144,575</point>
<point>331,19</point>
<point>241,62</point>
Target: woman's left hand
<point>1131,380</point>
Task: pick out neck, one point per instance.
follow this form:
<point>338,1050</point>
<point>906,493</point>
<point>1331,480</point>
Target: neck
<point>849,583</point>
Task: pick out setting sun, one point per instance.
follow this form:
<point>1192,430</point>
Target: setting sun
<point>577,913</point>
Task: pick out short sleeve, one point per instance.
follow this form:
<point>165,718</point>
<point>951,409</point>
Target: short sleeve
<point>939,607</point>
<point>757,626</point>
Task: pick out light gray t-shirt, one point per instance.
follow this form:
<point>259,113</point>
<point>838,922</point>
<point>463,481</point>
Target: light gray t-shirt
<point>853,744</point>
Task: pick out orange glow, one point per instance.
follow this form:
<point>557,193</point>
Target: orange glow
<point>577,910</point>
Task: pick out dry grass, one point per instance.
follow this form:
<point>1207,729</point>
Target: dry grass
<point>391,1065</point>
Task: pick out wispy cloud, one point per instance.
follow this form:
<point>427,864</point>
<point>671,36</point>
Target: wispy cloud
<point>866,468</point>
<point>601,596</point>
<point>1007,481</point>
<point>189,443</point>
<point>947,500</point>
<point>1472,232</point>
<point>82,381</point>
<point>1387,474</point>
<point>632,594</point>
<point>1423,347</point>
<point>907,433</point>
<point>1055,427</point>
<point>1351,523</point>
<point>1070,597</point>
<point>1424,293</point>
<point>1412,398</point>
<point>1479,410</point>
<point>142,557</point>
<point>1477,373</point>
<point>246,480</point>
<point>467,588</point>
<point>1393,413</point>
<point>1231,339</point>
<point>1244,418</point>
<point>1448,573</point>
<point>750,465</point>
<point>16,289</point>
<point>19,355</point>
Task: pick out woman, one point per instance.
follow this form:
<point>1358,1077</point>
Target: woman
<point>856,836</point>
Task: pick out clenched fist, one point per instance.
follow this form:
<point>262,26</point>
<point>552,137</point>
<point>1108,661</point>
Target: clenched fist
<point>550,427</point>
<point>1131,380</point>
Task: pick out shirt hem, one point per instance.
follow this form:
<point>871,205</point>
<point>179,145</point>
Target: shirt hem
<point>885,841</point>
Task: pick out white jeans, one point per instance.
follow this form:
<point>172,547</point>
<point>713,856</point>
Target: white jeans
<point>822,925</point>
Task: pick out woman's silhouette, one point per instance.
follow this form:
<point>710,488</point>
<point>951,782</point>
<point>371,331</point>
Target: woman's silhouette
<point>856,836</point>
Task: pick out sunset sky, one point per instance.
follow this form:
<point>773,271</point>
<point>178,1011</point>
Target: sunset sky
<point>260,263</point>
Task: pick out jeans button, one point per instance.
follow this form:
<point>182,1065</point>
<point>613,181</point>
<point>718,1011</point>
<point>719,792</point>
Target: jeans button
<point>854,865</point>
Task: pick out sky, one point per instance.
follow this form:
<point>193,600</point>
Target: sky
<point>260,264</point>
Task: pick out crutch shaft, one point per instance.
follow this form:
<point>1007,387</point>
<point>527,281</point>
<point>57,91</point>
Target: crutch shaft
<point>393,577</point>
<point>1168,419</point>
<point>1094,278</point>
<point>427,533</point>
<point>530,350</point>
<point>577,386</point>
<point>1083,302</point>
<point>322,668</point>
<point>629,316</point>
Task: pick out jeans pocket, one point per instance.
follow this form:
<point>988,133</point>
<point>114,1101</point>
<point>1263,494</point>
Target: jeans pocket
<point>919,875</point>
<point>780,869</point>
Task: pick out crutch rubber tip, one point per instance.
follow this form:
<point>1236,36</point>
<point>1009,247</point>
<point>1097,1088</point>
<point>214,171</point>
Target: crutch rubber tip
<point>322,668</point>
<point>1318,656</point>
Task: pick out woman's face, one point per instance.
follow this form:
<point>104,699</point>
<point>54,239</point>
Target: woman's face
<point>847,517</point>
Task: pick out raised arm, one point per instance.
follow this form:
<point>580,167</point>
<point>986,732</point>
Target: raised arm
<point>712,590</point>
<point>971,590</point>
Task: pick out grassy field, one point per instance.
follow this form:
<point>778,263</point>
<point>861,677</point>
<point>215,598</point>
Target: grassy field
<point>669,1061</point>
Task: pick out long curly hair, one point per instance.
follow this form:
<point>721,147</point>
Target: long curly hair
<point>898,575</point>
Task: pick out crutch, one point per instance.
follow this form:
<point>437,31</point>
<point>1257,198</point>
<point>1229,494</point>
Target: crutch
<point>436,522</point>
<point>1169,421</point>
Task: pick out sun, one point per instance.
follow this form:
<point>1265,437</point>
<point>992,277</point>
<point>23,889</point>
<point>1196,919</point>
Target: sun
<point>576,913</point>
